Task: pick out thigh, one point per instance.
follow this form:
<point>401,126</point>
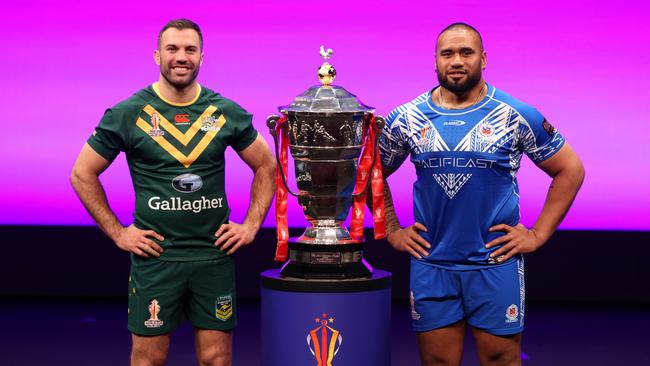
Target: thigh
<point>497,350</point>
<point>212,299</point>
<point>442,346</point>
<point>494,298</point>
<point>435,297</point>
<point>156,289</point>
<point>149,350</point>
<point>213,347</point>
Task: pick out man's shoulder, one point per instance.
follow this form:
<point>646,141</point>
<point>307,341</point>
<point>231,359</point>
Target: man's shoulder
<point>222,102</point>
<point>524,109</point>
<point>412,104</point>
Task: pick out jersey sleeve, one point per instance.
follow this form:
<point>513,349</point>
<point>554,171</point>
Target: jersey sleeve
<point>109,137</point>
<point>243,131</point>
<point>393,147</point>
<point>538,139</point>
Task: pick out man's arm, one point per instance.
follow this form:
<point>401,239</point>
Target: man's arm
<point>568,174</point>
<point>85,181</point>
<point>232,236</point>
<point>402,239</point>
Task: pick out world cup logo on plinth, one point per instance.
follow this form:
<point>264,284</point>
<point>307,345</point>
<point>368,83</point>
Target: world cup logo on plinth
<point>332,138</point>
<point>324,341</point>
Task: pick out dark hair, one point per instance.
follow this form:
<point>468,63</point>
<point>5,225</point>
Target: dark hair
<point>460,25</point>
<point>182,24</point>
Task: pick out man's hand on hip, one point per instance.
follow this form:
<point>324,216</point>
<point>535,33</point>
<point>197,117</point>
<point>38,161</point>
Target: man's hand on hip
<point>232,236</point>
<point>409,240</point>
<point>517,240</point>
<point>134,240</point>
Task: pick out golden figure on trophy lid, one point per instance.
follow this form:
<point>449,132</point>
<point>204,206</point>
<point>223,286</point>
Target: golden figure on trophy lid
<point>326,72</point>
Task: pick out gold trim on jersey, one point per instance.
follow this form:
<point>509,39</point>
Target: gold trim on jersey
<point>186,160</point>
<point>156,88</point>
<point>183,138</point>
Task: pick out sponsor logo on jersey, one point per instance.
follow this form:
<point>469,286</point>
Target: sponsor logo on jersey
<point>324,341</point>
<point>154,310</point>
<point>548,127</point>
<point>182,119</point>
<point>414,314</point>
<point>223,308</point>
<point>454,123</point>
<point>512,313</point>
<point>178,204</point>
<point>187,183</point>
<point>155,126</point>
<point>210,123</point>
<point>454,163</point>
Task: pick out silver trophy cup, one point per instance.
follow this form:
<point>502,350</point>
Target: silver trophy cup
<point>326,128</point>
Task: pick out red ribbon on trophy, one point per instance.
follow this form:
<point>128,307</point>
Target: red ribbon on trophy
<point>377,186</point>
<point>282,228</point>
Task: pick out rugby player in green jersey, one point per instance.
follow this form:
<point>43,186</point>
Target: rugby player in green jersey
<point>174,134</point>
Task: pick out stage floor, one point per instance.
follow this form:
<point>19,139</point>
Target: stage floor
<point>93,332</point>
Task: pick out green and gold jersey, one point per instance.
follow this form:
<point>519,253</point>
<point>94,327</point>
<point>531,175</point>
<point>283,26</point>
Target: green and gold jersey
<point>175,154</point>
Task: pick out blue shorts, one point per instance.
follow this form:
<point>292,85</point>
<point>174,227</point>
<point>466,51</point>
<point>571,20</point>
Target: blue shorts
<point>491,299</point>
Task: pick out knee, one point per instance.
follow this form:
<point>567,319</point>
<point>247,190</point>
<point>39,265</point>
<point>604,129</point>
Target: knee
<point>504,359</point>
<point>215,357</point>
<point>437,360</point>
<point>141,356</point>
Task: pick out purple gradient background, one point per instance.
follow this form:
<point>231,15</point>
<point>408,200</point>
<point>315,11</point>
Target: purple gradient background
<point>583,64</point>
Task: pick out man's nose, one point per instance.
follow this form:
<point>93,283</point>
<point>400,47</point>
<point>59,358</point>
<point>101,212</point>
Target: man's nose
<point>181,56</point>
<point>456,60</point>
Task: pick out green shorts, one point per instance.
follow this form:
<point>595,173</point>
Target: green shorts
<point>162,294</point>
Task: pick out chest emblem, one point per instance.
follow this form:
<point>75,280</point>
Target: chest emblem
<point>159,125</point>
<point>210,124</point>
<point>155,126</point>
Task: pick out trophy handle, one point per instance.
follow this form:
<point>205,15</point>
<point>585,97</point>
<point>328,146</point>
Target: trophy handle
<point>380,121</point>
<point>271,123</point>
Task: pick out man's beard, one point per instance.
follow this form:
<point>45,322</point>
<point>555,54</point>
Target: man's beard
<point>459,88</point>
<point>176,84</point>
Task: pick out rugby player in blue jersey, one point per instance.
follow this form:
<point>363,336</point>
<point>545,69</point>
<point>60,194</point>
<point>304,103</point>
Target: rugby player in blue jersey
<point>466,139</point>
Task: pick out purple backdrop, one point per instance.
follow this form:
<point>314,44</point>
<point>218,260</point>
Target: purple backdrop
<point>583,64</point>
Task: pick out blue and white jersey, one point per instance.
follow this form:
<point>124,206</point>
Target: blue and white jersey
<point>466,162</point>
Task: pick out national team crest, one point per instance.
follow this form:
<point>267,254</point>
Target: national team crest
<point>223,308</point>
<point>155,123</point>
<point>512,313</point>
<point>486,130</point>
<point>154,310</point>
<point>324,341</point>
<point>210,123</point>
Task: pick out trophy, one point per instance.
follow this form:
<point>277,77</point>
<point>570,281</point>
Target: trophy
<point>332,138</point>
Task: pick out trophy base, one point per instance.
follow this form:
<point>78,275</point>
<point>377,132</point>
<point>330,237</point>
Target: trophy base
<point>326,261</point>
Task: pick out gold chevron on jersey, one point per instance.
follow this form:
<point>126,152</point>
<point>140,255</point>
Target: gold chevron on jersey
<point>183,138</point>
<point>186,160</point>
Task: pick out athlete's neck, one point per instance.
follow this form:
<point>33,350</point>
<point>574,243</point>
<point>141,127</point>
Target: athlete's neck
<point>174,95</point>
<point>451,100</point>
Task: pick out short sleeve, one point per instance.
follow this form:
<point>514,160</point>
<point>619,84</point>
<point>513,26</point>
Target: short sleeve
<point>393,147</point>
<point>243,131</point>
<point>109,137</point>
<point>538,139</point>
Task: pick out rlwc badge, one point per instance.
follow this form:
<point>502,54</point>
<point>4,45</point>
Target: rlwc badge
<point>154,310</point>
<point>324,341</point>
<point>155,129</point>
<point>223,308</point>
<point>210,124</point>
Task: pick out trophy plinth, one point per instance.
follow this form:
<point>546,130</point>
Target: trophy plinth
<point>327,128</point>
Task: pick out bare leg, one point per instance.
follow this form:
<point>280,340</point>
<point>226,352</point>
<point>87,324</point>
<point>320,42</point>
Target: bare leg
<point>498,350</point>
<point>149,351</point>
<point>213,347</point>
<point>443,346</point>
